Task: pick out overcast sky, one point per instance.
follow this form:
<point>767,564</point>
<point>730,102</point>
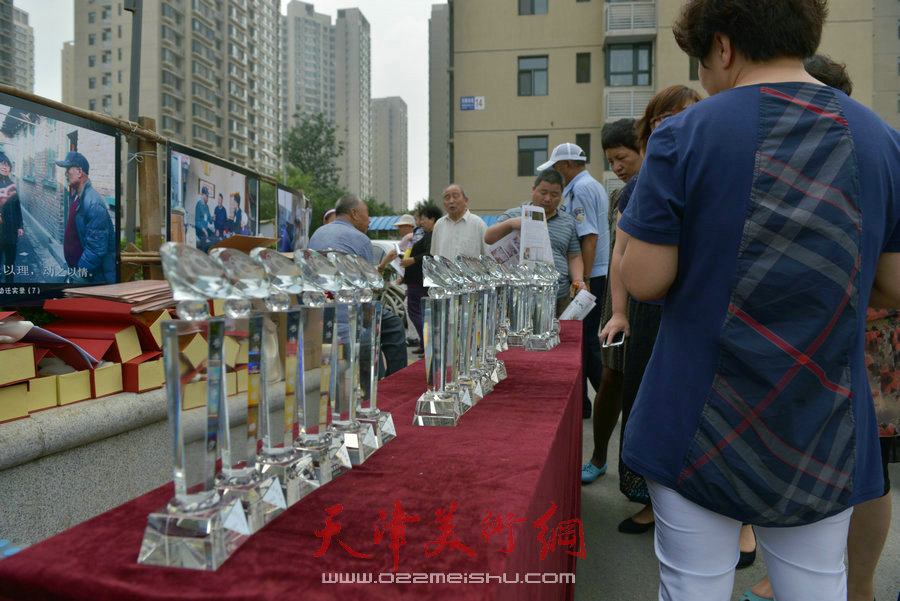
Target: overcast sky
<point>399,60</point>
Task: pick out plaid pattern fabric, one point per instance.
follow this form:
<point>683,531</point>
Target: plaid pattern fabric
<point>776,437</point>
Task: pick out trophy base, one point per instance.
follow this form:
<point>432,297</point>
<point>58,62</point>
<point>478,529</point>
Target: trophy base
<point>261,496</point>
<point>381,421</point>
<point>359,438</point>
<point>462,396</point>
<point>472,386</point>
<point>293,470</point>
<point>500,370</point>
<point>494,371</point>
<point>329,455</point>
<point>197,532</point>
<point>435,408</point>
<point>540,342</point>
<point>516,339</point>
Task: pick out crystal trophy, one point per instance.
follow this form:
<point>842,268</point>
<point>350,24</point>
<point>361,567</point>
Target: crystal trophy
<point>543,289</point>
<point>283,378</point>
<point>476,328</point>
<point>437,406</point>
<point>330,455</point>
<point>367,411</point>
<point>350,289</point>
<point>198,528</point>
<point>465,331</point>
<point>521,306</point>
<point>245,329</point>
<point>499,325</point>
<point>437,275</point>
<point>487,301</point>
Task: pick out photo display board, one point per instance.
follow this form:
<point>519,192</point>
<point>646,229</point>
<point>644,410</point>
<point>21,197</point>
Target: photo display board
<point>208,199</point>
<point>292,218</point>
<point>59,224</point>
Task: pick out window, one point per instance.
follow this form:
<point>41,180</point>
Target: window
<point>92,82</point>
<point>584,141</point>
<point>532,7</point>
<point>628,64</point>
<point>532,152</point>
<point>694,69</point>
<point>120,53</point>
<point>898,103</point>
<point>583,67</point>
<point>92,60</point>
<point>533,76</point>
<point>92,17</point>
<point>92,39</point>
<point>120,32</point>
<point>92,104</point>
<point>120,76</point>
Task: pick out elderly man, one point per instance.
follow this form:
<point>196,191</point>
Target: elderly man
<point>89,240</point>
<point>586,201</point>
<point>547,194</point>
<point>460,231</point>
<point>347,233</point>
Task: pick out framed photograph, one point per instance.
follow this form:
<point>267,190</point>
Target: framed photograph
<point>59,202</point>
<point>292,220</point>
<point>209,186</point>
<point>229,206</point>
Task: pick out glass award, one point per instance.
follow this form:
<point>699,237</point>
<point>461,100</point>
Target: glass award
<point>499,324</point>
<point>330,456</point>
<point>284,378</point>
<point>198,528</point>
<point>543,289</point>
<point>465,318</point>
<point>478,291</point>
<point>437,406</point>
<point>371,309</point>
<point>521,306</point>
<point>246,333</point>
<point>349,288</point>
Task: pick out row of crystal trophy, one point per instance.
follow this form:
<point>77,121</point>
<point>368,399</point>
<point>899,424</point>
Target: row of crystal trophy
<point>531,304</point>
<point>464,327</point>
<point>305,380</point>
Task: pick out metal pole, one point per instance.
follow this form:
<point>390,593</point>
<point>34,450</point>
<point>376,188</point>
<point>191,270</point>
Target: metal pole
<point>135,7</point>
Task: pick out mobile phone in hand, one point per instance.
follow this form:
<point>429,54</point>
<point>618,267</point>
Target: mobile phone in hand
<point>617,340</point>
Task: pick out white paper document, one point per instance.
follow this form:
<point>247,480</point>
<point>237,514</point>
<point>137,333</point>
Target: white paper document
<point>506,249</point>
<point>534,246</point>
<point>580,306</point>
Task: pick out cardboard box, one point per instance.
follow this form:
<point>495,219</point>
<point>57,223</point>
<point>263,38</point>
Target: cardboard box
<point>18,361</point>
<point>74,387</point>
<point>144,373</point>
<point>194,349</point>
<point>13,402</point>
<point>42,393</point>
<point>105,311</point>
<point>127,345</point>
<point>193,395</point>
<point>106,380</point>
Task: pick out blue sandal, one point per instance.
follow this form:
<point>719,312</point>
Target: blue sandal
<point>748,595</point>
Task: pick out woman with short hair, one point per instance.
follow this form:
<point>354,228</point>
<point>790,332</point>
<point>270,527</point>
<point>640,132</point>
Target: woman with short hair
<point>748,219</point>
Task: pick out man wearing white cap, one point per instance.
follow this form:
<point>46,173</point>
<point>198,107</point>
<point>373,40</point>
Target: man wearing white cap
<point>586,200</point>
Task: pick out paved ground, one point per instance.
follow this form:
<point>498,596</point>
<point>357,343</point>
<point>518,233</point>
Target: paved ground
<point>623,566</point>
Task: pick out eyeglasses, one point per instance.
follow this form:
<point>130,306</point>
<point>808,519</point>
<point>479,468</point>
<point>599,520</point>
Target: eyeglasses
<point>660,118</point>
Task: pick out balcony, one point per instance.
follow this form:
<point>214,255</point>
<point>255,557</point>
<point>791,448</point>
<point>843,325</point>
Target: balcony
<point>630,18</point>
<point>623,104</point>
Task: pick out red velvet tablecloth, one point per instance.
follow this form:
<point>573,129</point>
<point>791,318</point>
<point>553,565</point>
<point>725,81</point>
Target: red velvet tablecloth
<point>489,502</point>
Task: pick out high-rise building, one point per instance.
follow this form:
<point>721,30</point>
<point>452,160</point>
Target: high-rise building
<point>517,91</point>
<point>7,51</point>
<point>67,58</point>
<point>390,183</point>
<point>438,101</point>
<point>308,63</point>
<point>209,72</point>
<point>354,99</point>
<point>23,51</point>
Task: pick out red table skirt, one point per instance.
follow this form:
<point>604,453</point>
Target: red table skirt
<point>490,502</point>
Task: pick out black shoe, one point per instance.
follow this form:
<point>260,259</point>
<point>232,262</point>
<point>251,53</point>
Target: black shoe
<point>412,342</point>
<point>629,526</point>
<point>747,559</point>
<point>419,351</point>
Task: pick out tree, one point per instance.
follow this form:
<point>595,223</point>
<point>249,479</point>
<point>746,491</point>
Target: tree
<point>313,148</point>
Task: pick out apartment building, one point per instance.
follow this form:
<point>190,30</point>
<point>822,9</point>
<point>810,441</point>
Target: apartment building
<point>23,51</point>
<point>209,72</point>
<point>7,29</point>
<point>525,76</point>
<point>390,181</point>
<point>353,84</point>
<point>438,100</point>
<point>308,63</point>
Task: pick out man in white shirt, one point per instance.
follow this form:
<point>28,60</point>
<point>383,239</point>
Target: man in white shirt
<point>460,231</point>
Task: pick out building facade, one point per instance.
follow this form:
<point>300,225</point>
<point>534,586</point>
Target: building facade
<point>353,60</point>
<point>390,180</point>
<point>23,51</point>
<point>308,63</point>
<point>438,100</point>
<point>558,70</point>
<point>209,72</point>
<point>7,51</point>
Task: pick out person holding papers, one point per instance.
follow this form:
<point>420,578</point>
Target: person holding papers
<point>546,193</point>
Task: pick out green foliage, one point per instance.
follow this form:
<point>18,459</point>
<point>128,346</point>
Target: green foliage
<point>267,201</point>
<point>378,208</point>
<point>313,148</point>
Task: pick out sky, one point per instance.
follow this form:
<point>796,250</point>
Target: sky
<point>399,32</point>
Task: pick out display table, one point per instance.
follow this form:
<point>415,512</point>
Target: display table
<point>473,509</point>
